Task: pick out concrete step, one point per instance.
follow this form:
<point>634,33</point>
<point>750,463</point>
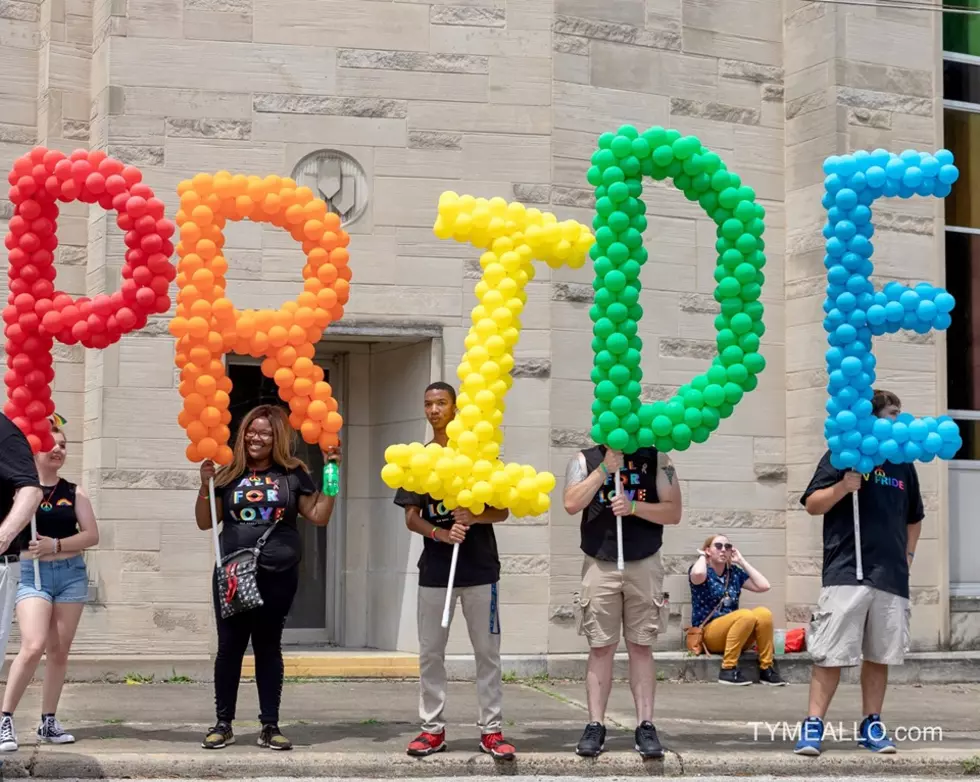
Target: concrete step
<point>919,668</point>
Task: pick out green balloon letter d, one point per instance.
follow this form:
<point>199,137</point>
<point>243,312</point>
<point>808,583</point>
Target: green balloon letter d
<point>619,420</point>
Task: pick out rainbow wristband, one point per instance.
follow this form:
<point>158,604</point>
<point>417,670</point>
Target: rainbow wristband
<point>633,509</point>
<point>605,469</point>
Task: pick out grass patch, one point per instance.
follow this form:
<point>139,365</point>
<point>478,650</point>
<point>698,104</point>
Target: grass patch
<point>113,721</point>
<point>971,766</point>
<point>661,676</point>
<point>177,678</point>
<point>138,678</point>
<point>371,721</point>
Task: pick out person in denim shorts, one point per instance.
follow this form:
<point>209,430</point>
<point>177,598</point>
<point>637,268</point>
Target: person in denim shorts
<point>48,616</point>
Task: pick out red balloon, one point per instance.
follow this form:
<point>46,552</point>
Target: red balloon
<point>146,224</point>
<point>162,305</point>
<point>29,322</point>
<point>95,182</point>
<point>47,442</point>
<point>80,169</point>
<point>136,206</point>
<point>27,186</point>
<point>12,378</point>
<point>154,206</point>
<point>24,302</point>
<point>70,190</point>
<point>151,243</point>
<point>146,298</point>
<point>62,170</point>
<point>115,184</point>
<point>51,158</point>
<point>96,325</point>
<point>142,276</point>
<point>18,225</point>
<point>52,322</point>
<point>10,314</point>
<point>36,443</point>
<point>21,395</point>
<point>160,285</point>
<point>132,175</point>
<point>142,190</point>
<point>42,290</point>
<point>11,411</point>
<point>29,210</point>
<point>69,315</point>
<point>110,167</point>
<point>125,318</point>
<point>80,330</point>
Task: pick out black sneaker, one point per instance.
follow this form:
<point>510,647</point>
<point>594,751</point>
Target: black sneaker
<point>271,737</point>
<point>219,737</point>
<point>771,677</point>
<point>593,740</point>
<point>732,676</point>
<point>647,743</point>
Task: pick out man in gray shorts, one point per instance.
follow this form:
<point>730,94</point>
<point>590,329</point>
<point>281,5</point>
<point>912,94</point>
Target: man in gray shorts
<point>868,619</point>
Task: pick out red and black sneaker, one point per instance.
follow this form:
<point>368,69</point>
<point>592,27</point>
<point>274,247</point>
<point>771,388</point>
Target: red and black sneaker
<point>426,744</point>
<point>494,744</point>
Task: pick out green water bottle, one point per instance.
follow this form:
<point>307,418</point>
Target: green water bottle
<point>331,479</point>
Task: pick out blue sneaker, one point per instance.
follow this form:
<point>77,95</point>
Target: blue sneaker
<point>811,733</point>
<point>874,736</point>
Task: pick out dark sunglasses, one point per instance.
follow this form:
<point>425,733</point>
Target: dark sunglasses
<point>725,546</point>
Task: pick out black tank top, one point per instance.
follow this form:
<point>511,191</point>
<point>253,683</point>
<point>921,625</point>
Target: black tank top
<point>641,538</point>
<point>56,513</point>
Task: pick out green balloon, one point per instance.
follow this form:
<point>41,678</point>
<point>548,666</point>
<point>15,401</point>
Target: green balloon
<point>631,358</point>
<point>745,273</point>
<point>645,437</point>
<point>716,375</point>
<point>631,423</point>
<point>598,408</point>
<point>731,307</point>
<point>729,287</point>
<point>604,298</point>
<point>725,409</point>
<point>617,312</point>
<point>603,328</point>
<point>646,415</point>
<point>618,252</point>
<point>639,222</point>
<point>692,417</point>
<point>730,260</point>
<point>720,180</point>
<point>605,391</point>
<point>618,220</point>
<point>634,188</point>
<point>619,374</point>
<point>756,227</point>
<point>700,435</point>
<point>629,328</point>
<point>732,355</point>
<point>741,323</point>
<point>662,425</point>
<point>733,229</point>
<point>754,362</point>
<point>629,131</point>
<point>618,191</point>
<point>636,374</point>
<point>737,373</point>
<point>604,236</point>
<point>751,383</point>
<point>631,269</point>
<point>722,321</point>
<point>641,147</point>
<point>631,166</point>
<point>726,338</point>
<point>598,344</point>
<point>597,375</point>
<point>759,328</point>
<point>596,433</point>
<point>728,198</point>
<point>595,313</point>
<point>663,156</point>
<point>605,159</point>
<point>699,383</point>
<point>749,343</point>
<point>681,434</point>
<point>714,395</point>
<point>605,360</point>
<point>633,390</point>
<point>709,201</point>
<point>746,243</point>
<point>612,175</point>
<point>605,208</point>
<point>608,421</point>
<point>693,398</point>
<point>710,418</point>
<point>606,140</point>
<point>621,405</point>
<point>618,439</point>
<point>751,292</point>
<point>664,444</point>
<point>617,344</point>
<point>616,280</point>
<point>621,146</point>
<point>745,211</point>
<point>632,238</point>
<point>594,175</point>
<point>733,393</point>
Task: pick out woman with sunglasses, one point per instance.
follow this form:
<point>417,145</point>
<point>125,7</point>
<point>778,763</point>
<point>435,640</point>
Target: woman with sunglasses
<point>717,580</point>
<point>264,486</point>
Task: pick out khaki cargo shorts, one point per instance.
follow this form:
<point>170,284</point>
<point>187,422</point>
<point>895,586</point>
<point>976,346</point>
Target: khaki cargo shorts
<point>855,622</point>
<point>631,598</point>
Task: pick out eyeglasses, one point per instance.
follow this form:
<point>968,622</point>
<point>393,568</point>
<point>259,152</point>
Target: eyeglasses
<point>725,546</point>
<point>253,435</point>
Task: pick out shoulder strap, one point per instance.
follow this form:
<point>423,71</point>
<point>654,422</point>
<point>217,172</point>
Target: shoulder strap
<point>727,577</point>
<point>265,535</point>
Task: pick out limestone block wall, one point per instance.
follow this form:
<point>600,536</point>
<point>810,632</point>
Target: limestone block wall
<point>495,98</point>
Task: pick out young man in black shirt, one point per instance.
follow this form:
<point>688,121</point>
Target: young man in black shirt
<point>475,586</point>
<point>869,618</point>
<point>648,498</point>
<point>20,494</point>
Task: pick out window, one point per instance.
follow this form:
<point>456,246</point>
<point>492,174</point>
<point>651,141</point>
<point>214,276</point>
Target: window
<point>961,99</point>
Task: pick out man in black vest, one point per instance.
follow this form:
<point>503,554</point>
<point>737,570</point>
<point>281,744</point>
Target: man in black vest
<point>632,599</point>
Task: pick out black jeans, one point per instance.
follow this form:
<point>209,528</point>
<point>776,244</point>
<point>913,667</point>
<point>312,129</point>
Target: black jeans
<point>263,626</point>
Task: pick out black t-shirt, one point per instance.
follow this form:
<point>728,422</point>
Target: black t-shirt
<point>17,469</point>
<point>641,538</point>
<point>478,562</point>
<point>889,500</point>
<point>256,499</point>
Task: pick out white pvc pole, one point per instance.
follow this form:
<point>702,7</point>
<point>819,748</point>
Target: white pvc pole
<point>619,530</point>
<point>37,564</point>
<point>857,537</point>
<point>214,523</point>
<point>449,587</point>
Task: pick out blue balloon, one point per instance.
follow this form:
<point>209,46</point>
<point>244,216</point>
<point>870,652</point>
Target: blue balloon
<point>927,311</point>
<point>933,443</point>
<point>846,301</point>
<point>895,169</point>
<point>876,314</point>
<point>846,199</point>
<point>909,299</point>
<point>863,408</point>
<point>876,176</point>
<point>846,333</point>
<point>845,229</point>
<point>882,429</point>
<point>849,459</point>
<point>905,418</point>
<point>910,157</point>
<point>917,431</point>
<point>861,215</point>
<point>830,165</point>
<point>859,244</point>
<point>948,430</point>
<point>900,432</point>
<point>942,322</point>
<point>912,452</point>
<point>890,450</point>
<point>891,188</point>
<point>944,157</point>
<point>846,420</point>
<point>947,175</point>
<point>950,449</point>
<point>851,439</point>
<point>838,274</point>
<point>833,443</point>
<point>834,357</point>
<point>930,167</point>
<point>869,446</point>
<point>944,302</point>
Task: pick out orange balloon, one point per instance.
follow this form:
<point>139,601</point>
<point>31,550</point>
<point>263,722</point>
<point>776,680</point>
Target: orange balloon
<point>303,386</point>
<point>278,336</point>
<point>183,419</point>
<point>269,367</point>
<point>327,273</point>
<point>333,422</point>
<point>196,431</point>
<point>322,391</point>
<point>303,367</point>
<point>284,377</point>
<point>297,335</point>
<point>211,417</point>
<point>339,257</point>
<point>206,385</point>
<point>193,455</point>
<point>208,448</point>
<point>286,356</point>
<point>317,410</point>
<point>295,420</point>
<point>310,431</point>
<point>194,404</point>
<point>224,455</point>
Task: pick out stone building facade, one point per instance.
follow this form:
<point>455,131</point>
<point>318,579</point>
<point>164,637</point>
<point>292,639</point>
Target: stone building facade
<point>493,98</point>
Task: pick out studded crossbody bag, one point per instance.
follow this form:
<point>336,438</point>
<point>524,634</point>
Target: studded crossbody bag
<point>238,587</point>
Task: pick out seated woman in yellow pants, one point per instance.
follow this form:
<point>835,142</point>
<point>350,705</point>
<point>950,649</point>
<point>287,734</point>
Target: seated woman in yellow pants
<point>717,580</point>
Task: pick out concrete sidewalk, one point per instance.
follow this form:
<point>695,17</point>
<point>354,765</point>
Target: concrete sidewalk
<point>361,728</point>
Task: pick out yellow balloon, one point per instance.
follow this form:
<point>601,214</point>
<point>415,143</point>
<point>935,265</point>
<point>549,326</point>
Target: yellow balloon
<point>527,488</point>
<point>482,491</point>
<point>421,464</point>
<point>545,482</point>
<point>392,475</point>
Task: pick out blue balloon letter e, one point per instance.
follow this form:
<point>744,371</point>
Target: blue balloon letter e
<point>856,312</point>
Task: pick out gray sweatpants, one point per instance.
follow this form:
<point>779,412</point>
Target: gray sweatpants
<point>481,609</point>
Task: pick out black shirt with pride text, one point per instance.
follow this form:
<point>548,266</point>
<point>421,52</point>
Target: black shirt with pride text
<point>888,501</point>
<point>258,498</point>
<point>478,562</point>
